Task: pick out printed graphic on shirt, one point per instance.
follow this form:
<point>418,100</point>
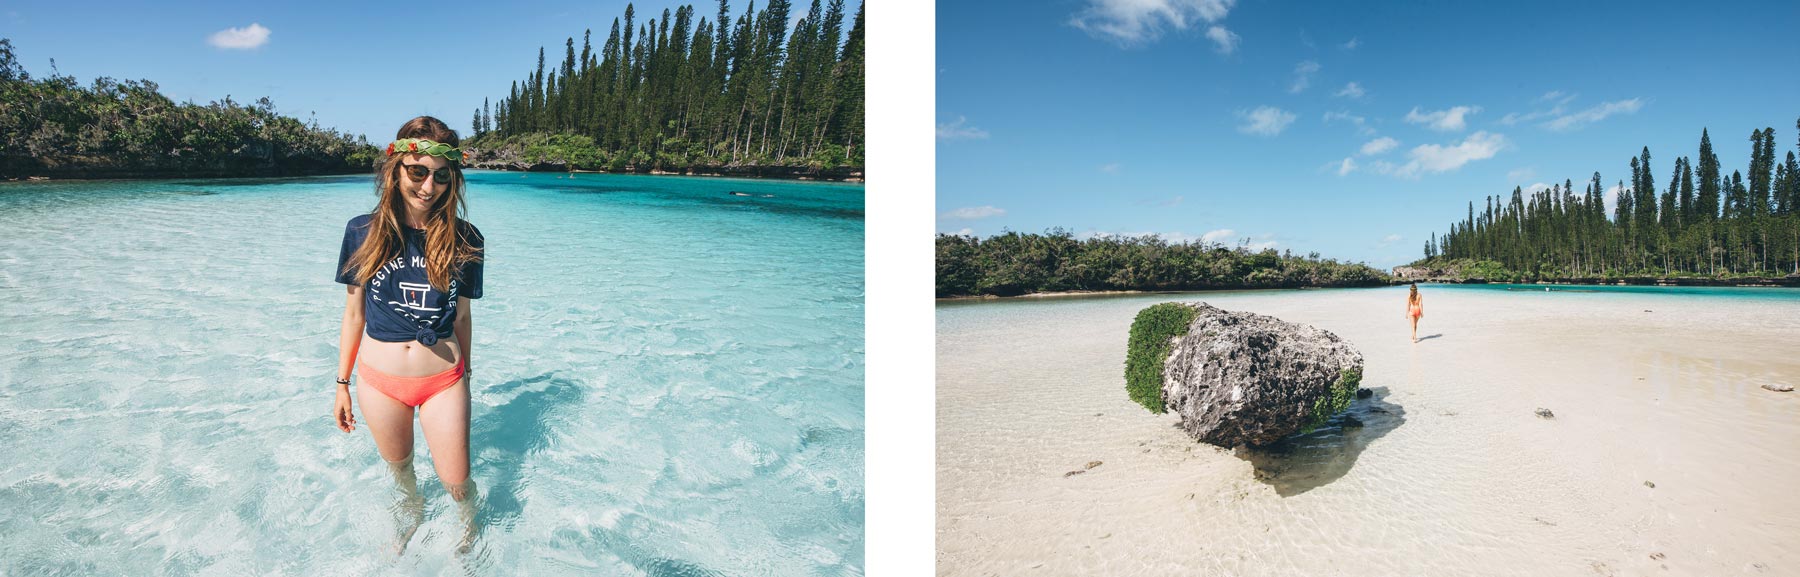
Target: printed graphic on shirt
<point>414,295</point>
<point>415,298</point>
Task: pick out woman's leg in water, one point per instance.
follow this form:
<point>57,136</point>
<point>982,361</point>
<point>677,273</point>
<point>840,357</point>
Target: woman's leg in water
<point>445,420</point>
<point>390,422</point>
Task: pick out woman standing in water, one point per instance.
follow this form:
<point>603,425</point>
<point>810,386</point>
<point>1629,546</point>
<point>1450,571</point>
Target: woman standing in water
<point>412,267</point>
<point>1415,308</point>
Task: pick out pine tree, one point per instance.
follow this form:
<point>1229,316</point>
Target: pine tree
<point>1709,180</point>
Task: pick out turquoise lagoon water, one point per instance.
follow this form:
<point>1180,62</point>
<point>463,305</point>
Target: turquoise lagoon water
<point>670,381</point>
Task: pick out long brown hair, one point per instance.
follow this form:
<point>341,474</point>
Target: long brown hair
<point>1415,293</point>
<point>446,251</point>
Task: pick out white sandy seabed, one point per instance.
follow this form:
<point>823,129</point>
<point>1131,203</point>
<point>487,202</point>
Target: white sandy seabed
<point>1451,473</point>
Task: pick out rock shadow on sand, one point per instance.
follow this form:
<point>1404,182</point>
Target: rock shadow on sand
<point>1300,463</point>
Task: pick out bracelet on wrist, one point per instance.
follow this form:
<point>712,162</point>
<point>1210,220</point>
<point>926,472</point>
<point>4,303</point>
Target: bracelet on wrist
<point>345,382</point>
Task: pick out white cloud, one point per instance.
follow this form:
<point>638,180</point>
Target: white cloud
<point>963,232</point>
<point>1388,240</point>
<point>1265,121</point>
<point>1360,122</point>
<point>1352,118</point>
<point>1379,145</point>
<point>1352,44</point>
<point>1303,73</point>
<point>1433,158</point>
<point>959,131</point>
<point>1265,241</point>
<point>1521,174</point>
<point>1351,91</point>
<point>1227,236</point>
<point>1592,115</point>
<point>1226,40</point>
<point>1534,187</point>
<point>1171,237</point>
<point>1559,101</point>
<point>1443,120</point>
<point>240,38</point>
<point>1131,22</point>
<point>1347,166</point>
<point>975,212</point>
<point>1110,168</point>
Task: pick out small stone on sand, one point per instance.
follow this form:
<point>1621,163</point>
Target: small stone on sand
<point>1545,413</point>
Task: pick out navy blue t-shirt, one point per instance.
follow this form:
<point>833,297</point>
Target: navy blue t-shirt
<point>401,304</point>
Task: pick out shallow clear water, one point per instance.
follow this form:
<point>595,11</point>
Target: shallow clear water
<point>670,381</point>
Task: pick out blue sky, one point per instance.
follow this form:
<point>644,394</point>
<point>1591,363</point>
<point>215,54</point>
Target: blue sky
<point>1350,129</point>
<point>362,67</point>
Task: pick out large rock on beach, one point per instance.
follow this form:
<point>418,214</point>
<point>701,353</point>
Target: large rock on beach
<point>1247,379</point>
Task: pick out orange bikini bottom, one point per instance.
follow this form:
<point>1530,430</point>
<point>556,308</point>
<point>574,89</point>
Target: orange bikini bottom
<point>413,391</point>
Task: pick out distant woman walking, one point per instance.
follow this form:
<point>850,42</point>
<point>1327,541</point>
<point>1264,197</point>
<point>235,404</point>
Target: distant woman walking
<point>1415,308</point>
<point>412,269</point>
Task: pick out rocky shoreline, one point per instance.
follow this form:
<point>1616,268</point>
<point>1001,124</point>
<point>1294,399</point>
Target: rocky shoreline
<point>128,174</point>
<point>838,174</point>
<point>1074,294</point>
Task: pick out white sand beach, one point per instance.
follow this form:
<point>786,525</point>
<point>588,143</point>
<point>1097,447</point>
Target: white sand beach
<point>1451,474</point>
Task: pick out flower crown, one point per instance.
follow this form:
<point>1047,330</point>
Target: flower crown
<point>427,146</point>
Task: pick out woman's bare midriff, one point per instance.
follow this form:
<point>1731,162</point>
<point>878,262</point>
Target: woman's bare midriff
<point>408,358</point>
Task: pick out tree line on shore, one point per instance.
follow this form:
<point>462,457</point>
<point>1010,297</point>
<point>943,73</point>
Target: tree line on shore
<point>53,126</point>
<point>1012,263</point>
<point>673,93</point>
<point>1703,223</point>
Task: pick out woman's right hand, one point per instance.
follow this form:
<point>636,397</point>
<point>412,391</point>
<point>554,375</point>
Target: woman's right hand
<point>346,420</point>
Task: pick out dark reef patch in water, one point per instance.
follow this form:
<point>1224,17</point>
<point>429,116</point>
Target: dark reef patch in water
<point>640,552</point>
<point>581,189</point>
<point>502,438</point>
<point>231,182</point>
<point>1301,463</point>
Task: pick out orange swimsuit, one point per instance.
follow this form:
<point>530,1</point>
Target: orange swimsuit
<point>413,391</point>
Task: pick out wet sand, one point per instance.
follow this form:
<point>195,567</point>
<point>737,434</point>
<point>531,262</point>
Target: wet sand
<point>1451,472</point>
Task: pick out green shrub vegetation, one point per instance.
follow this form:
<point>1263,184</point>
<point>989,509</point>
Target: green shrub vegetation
<point>54,127</point>
<point>1151,335</point>
<point>1337,399</point>
<point>1705,223</point>
<point>1012,264</point>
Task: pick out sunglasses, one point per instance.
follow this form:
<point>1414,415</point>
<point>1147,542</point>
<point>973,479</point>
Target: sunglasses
<point>418,172</point>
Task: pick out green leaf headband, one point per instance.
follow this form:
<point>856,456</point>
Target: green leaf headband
<point>426,146</point>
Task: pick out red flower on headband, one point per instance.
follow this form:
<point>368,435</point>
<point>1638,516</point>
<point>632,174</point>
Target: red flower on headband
<point>390,150</point>
<point>412,146</point>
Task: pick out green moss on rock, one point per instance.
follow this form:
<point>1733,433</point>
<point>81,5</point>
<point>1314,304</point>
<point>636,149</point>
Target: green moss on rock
<point>1335,400</point>
<point>1151,334</point>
